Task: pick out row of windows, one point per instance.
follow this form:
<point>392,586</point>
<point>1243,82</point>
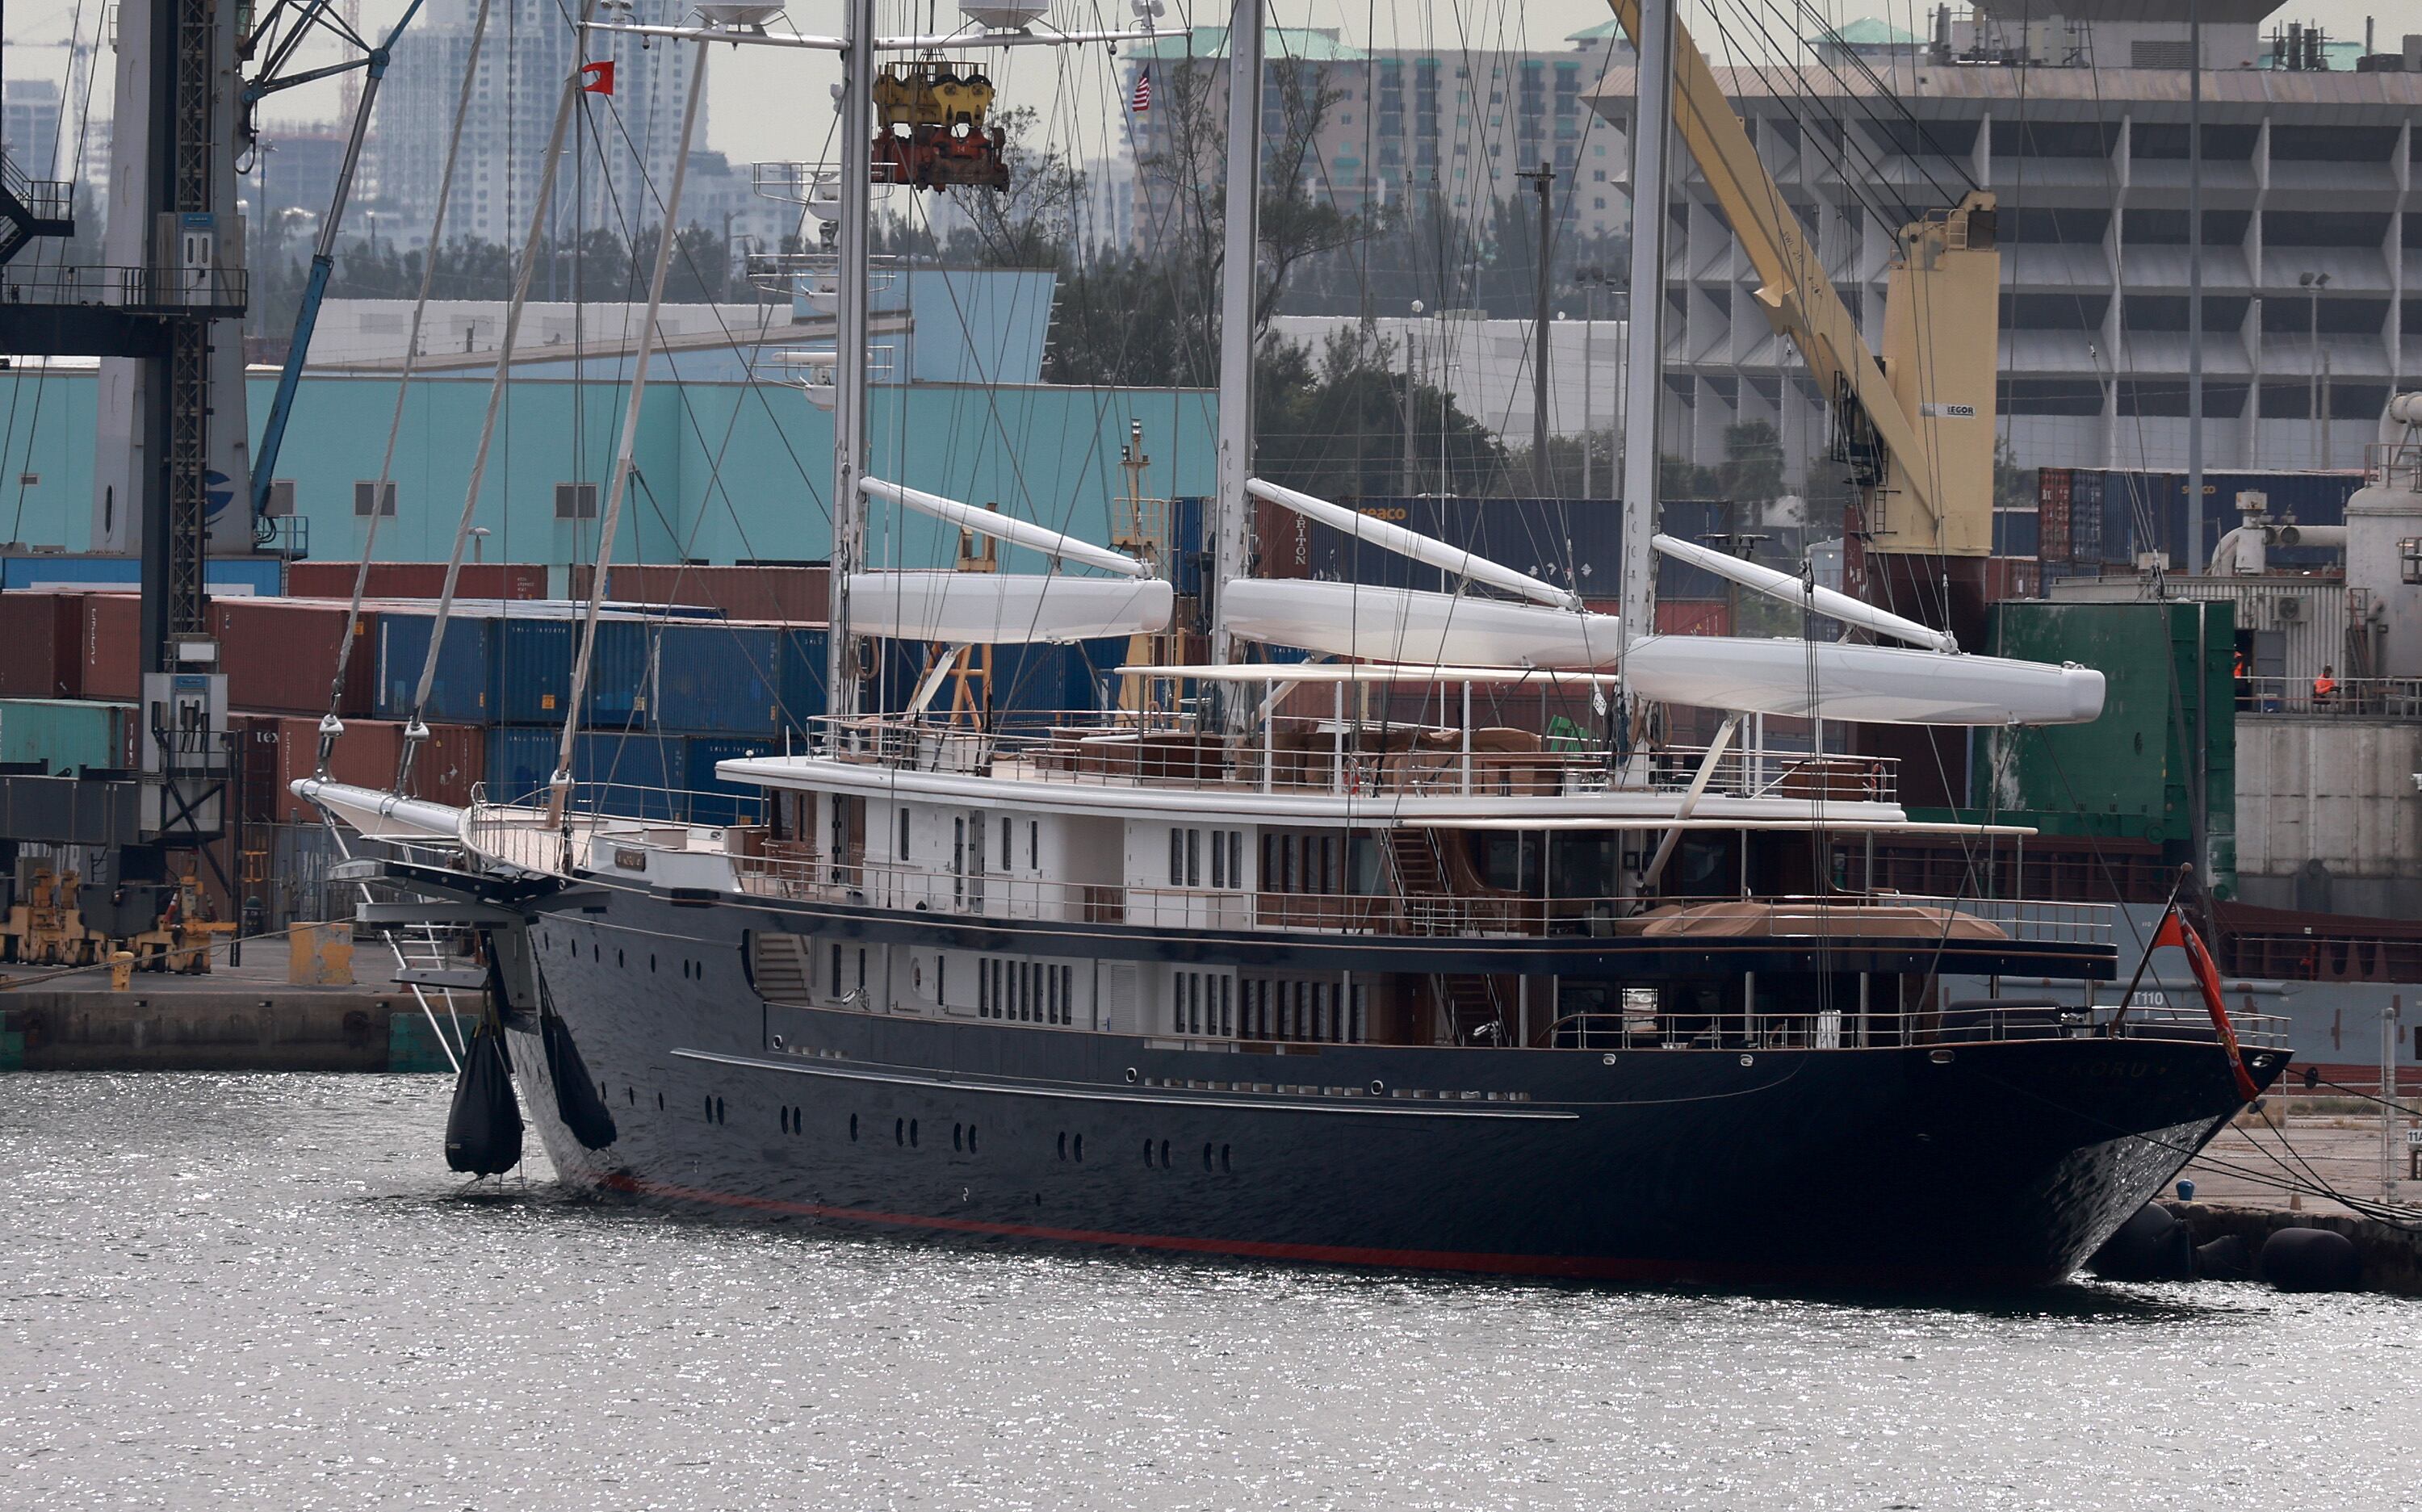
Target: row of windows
<point>1026,992</point>
<point>1210,1005</point>
<point>1185,853</point>
<point>573,501</point>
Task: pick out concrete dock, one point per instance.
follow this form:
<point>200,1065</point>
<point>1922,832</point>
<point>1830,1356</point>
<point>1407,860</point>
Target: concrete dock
<point>247,1017</point>
<point>2322,1140</point>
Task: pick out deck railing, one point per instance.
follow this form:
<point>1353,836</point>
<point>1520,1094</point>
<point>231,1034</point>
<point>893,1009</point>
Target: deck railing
<point>1845,1025</point>
<point>791,870</point>
<point>1347,758</point>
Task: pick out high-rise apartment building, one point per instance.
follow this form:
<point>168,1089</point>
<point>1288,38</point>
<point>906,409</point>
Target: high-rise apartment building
<point>1441,129</point>
<point>617,164</point>
<point>32,115</point>
<point>2311,236</point>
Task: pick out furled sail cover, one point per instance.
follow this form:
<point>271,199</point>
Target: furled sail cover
<point>1399,624</point>
<point>1872,684</point>
<point>1005,608</point>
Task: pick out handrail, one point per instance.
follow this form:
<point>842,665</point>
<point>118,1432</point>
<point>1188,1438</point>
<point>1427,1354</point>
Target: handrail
<point>115,285</point>
<point>1299,754</point>
<point>1847,1026</point>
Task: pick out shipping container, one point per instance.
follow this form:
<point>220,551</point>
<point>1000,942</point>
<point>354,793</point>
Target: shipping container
<point>2017,532</point>
<point>717,678</point>
<point>2085,518</point>
<point>113,630</point>
<point>69,735</point>
<point>534,667</point>
<point>227,577</point>
<point>639,775</point>
<point>799,595</point>
<point>451,762</point>
<point>1045,678</point>
<point>417,580</point>
<point>2166,738</point>
<point>252,741</point>
<point>463,689</point>
<point>2051,512</point>
<point>712,800</point>
<point>801,670</point>
<point>1692,617</point>
<point>280,654</point>
<point>2133,512</point>
<point>41,645</point>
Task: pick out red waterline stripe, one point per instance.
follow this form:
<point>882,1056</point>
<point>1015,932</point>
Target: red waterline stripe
<point>1578,1268</point>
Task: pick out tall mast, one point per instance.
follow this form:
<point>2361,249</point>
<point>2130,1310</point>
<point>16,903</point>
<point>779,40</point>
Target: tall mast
<point>849,351</point>
<point>2195,559</point>
<point>1232,512</point>
<point>1652,131</point>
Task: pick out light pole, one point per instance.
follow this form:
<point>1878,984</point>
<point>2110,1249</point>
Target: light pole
<point>2313,283</point>
<point>1592,279</point>
<point>1412,420</point>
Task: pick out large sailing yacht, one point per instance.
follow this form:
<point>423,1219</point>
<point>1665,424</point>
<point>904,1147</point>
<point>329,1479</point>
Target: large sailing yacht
<point>1240,965</point>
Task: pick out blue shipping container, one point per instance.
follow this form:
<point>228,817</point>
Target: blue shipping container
<point>464,690</point>
<point>2017,533</point>
<point>800,671</point>
<point>712,800</point>
<point>636,776</point>
<point>717,679</point>
<point>520,761</point>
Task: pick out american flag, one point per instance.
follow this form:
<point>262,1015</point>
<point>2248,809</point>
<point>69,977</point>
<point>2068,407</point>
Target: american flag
<point>1142,99</point>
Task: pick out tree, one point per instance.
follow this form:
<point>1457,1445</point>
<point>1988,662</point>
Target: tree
<point>1031,224</point>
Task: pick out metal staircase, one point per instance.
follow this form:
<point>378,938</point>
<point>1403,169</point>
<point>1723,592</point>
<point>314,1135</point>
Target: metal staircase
<point>31,207</point>
<point>1418,874</point>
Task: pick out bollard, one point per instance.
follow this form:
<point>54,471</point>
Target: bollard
<point>121,970</point>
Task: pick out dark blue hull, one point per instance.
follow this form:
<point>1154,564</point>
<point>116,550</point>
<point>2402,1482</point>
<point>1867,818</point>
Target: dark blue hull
<point>1984,1163</point>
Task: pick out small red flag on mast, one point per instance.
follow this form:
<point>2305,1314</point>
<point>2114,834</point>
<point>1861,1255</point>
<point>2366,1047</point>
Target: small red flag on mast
<point>600,75</point>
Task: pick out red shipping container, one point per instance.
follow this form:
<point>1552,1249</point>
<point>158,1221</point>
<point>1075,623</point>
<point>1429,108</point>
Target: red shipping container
<point>451,761</point>
<point>417,580</point>
<point>2012,577</point>
<point>2053,494</point>
<point>254,738</point>
<point>1693,617</point>
<point>41,645</point>
<point>786,596</point>
<point>280,654</point>
<point>112,650</point>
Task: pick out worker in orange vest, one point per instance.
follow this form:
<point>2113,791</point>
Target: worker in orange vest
<point>2243,678</point>
<point>2325,687</point>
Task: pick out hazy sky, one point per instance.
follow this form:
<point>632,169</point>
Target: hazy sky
<point>766,104</point>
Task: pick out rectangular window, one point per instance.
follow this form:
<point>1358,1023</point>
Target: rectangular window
<point>1236,858</point>
<point>1227,1006</point>
<point>1194,857</point>
<point>573,501</point>
<point>1218,861</point>
<point>1177,1003</point>
<point>836,968</point>
<point>861,969</point>
<point>1177,857</point>
<point>362,492</point>
<point>958,863</point>
<point>1006,851</point>
<point>1035,844</point>
<point>983,988</point>
<point>942,980</point>
<point>904,833</point>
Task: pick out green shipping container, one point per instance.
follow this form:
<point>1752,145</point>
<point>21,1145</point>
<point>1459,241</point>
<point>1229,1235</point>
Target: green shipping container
<point>2164,749</point>
<point>67,735</point>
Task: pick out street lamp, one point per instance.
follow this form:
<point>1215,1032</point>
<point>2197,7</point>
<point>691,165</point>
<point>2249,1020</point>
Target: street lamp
<point>2313,283</point>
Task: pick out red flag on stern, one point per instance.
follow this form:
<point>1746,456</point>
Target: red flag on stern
<point>600,75</point>
<point>2176,931</point>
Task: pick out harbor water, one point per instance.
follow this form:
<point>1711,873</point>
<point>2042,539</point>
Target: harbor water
<point>267,1291</point>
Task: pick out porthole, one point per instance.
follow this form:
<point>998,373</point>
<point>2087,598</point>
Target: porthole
<point>971,1138</point>
<point>1064,1144</point>
<point>912,1133</point>
<point>1080,1147</point>
<point>1206,1157</point>
<point>899,1132</point>
<point>632,1092</point>
<point>1164,1154</point>
<point>1224,1167</point>
<point>778,1041</point>
<point>710,1109</point>
<point>651,960</point>
<point>660,1102</point>
<point>958,1137</point>
<point>1378,1088</point>
<point>718,1110</point>
<point>1131,1074</point>
<point>853,1127</point>
<point>602,1093</point>
<point>619,963</point>
<point>1147,1154</point>
<point>786,1118</point>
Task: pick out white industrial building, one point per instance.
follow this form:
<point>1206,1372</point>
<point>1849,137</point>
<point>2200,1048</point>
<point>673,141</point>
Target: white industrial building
<point>2312,234</point>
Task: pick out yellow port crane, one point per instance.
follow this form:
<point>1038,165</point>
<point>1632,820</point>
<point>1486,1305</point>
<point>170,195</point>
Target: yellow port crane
<point>1920,421</point>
